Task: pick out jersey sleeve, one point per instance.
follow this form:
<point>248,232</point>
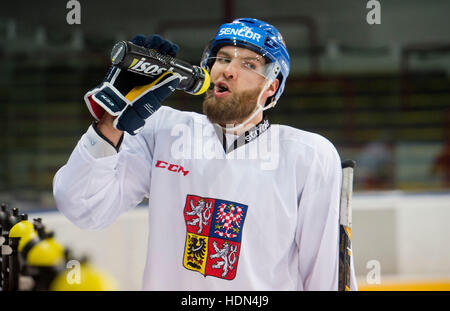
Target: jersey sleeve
<point>318,234</point>
<point>92,191</point>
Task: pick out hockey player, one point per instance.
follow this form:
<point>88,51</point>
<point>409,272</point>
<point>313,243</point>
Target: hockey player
<point>235,203</point>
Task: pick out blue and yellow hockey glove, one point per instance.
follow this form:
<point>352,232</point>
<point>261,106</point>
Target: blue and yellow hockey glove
<point>130,96</point>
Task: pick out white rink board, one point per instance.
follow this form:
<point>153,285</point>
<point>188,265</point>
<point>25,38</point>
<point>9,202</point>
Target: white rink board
<point>409,233</point>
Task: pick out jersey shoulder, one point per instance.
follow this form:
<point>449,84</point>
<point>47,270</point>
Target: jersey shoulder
<point>312,152</point>
<point>169,117</point>
<point>289,134</point>
<point>307,144</point>
<point>166,118</point>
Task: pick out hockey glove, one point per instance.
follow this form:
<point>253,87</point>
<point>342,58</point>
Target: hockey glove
<point>130,96</point>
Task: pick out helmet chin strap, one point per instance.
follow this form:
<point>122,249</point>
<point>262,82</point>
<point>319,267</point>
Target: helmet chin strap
<point>258,108</point>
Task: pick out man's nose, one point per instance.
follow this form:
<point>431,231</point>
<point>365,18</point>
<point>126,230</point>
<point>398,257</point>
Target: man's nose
<point>231,70</point>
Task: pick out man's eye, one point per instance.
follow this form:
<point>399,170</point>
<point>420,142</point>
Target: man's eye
<point>223,60</point>
<point>249,65</point>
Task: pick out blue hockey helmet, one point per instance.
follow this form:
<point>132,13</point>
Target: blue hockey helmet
<point>259,37</point>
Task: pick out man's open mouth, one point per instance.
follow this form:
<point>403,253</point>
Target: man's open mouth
<point>221,89</point>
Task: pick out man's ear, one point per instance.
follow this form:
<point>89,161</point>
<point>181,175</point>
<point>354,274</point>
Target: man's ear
<point>273,87</point>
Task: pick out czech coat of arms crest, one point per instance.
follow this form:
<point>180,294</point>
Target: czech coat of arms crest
<point>213,236</point>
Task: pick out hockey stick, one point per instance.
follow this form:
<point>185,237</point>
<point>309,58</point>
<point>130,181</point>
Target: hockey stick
<point>345,225</point>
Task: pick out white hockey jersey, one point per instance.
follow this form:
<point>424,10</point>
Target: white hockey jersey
<point>257,213</point>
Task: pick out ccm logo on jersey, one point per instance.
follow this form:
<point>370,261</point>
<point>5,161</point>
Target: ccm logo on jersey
<point>171,167</point>
<point>148,68</point>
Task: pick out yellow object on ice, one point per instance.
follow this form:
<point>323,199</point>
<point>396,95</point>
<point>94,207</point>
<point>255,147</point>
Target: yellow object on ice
<point>46,253</point>
<point>23,230</point>
<point>83,277</point>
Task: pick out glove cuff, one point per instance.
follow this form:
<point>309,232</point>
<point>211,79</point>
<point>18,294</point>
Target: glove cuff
<point>105,98</point>
<point>95,109</point>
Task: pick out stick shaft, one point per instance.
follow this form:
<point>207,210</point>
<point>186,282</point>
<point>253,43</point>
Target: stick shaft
<point>345,225</point>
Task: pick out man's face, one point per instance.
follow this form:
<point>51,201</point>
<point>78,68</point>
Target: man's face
<point>238,77</point>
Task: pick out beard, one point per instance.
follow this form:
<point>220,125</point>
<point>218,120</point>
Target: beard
<point>230,110</point>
